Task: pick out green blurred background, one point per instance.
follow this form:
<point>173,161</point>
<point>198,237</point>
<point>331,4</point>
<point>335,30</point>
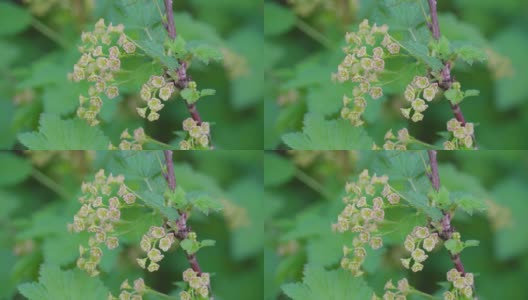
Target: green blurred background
<point>304,191</point>
<point>303,40</point>
<point>38,198</point>
<point>38,48</point>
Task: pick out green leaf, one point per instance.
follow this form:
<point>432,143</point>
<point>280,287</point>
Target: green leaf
<point>247,89</point>
<point>190,246</point>
<point>470,54</point>
<point>421,52</point>
<point>469,203</point>
<point>248,239</point>
<point>207,243</point>
<point>204,202</point>
<point>454,95</point>
<point>277,170</point>
<point>442,47</point>
<point>57,134</point>
<point>207,92</point>
<point>471,243</point>
<point>326,99</point>
<point>156,202</point>
<point>395,233</point>
<point>421,202</point>
<point>454,246</point>
<point>471,93</point>
<point>62,249</point>
<point>512,90</point>
<point>278,19</point>
<point>332,285</point>
<point>178,46</point>
<point>401,15</point>
<point>157,52</point>
<point>139,166</point>
<point>401,165</point>
<point>60,98</point>
<point>510,241</point>
<point>190,95</point>
<point>137,221</point>
<point>9,204</point>
<point>206,53</point>
<point>8,54</point>
<point>319,134</point>
<point>17,169</point>
<point>457,181</point>
<point>55,284</point>
<point>13,19</point>
<point>177,197</point>
<point>327,250</point>
<point>441,198</point>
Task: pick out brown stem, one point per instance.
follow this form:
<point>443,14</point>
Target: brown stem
<point>447,229</point>
<point>170,27</point>
<point>447,79</point>
<point>181,223</point>
<point>183,77</point>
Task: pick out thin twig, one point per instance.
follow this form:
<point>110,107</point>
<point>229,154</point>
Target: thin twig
<point>50,184</point>
<point>183,77</point>
<point>181,223</point>
<point>447,229</point>
<point>447,79</point>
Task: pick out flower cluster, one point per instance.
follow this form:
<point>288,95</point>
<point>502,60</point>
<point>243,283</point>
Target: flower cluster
<point>102,201</point>
<point>198,135</point>
<point>366,51</point>
<point>155,236</point>
<point>463,285</point>
<point>98,64</point>
<point>393,142</point>
<point>131,142</point>
<point>364,210</point>
<point>420,86</point>
<point>130,293</point>
<point>395,293</point>
<point>198,285</point>
<point>420,236</point>
<point>462,135</point>
<point>151,92</point>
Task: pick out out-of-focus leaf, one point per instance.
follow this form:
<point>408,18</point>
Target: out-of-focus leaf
<point>277,19</point>
<point>14,169</point>
<point>277,170</point>
<point>512,89</point>
<point>511,194</point>
<point>13,18</point>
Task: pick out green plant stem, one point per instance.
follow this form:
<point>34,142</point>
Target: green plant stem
<point>312,183</point>
<point>417,292</point>
<point>50,184</point>
<point>49,33</point>
<point>428,146</point>
<point>151,291</point>
<point>314,34</point>
<point>153,141</point>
